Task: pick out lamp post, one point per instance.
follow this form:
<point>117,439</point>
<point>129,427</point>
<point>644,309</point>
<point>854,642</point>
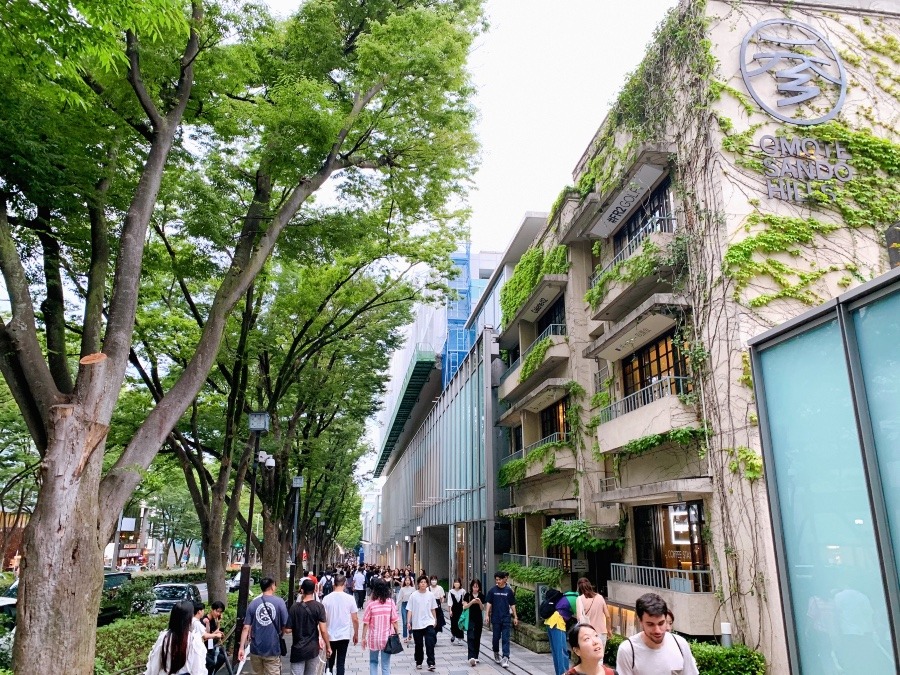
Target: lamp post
<point>315,557</point>
<point>297,484</point>
<point>259,424</point>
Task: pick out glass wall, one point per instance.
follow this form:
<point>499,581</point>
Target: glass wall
<point>830,421</point>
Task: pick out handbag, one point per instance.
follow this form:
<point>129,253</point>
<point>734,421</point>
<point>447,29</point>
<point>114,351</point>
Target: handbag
<point>393,646</point>
<point>283,646</point>
<point>463,620</point>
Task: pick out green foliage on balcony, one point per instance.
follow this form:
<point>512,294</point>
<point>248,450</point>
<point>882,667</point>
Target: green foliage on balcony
<point>576,534</point>
<point>564,194</point>
<point>532,266</point>
<point>514,470</point>
<point>534,358</point>
<point>642,264</point>
<point>683,436</point>
<point>533,573</point>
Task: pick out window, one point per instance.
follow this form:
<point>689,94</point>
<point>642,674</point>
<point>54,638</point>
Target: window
<point>669,536</point>
<point>656,360</point>
<point>515,440</point>
<point>553,419</point>
<point>555,315</point>
<point>656,215</point>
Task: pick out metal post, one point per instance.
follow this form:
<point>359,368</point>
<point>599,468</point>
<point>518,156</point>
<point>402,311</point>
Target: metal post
<point>244,589</point>
<point>297,484</point>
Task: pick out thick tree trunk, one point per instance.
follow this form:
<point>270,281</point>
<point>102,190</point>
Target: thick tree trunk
<point>67,506</point>
<point>273,565</point>
<point>216,551</point>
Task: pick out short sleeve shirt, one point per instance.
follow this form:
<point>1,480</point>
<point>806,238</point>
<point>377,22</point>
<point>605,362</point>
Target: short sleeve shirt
<point>339,611</point>
<point>305,618</point>
<point>500,600</point>
<point>266,616</point>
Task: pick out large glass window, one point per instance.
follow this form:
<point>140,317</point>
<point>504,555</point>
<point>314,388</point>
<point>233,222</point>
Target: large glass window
<point>658,359</point>
<point>553,419</point>
<point>656,215</point>
<point>555,315</point>
<point>831,559</point>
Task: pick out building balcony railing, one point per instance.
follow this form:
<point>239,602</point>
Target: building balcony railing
<point>529,560</point>
<point>600,378</point>
<point>552,329</point>
<point>519,454</point>
<point>652,225</point>
<point>680,581</point>
<point>665,386</point>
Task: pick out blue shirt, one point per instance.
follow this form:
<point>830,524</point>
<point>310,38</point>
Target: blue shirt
<point>266,616</point>
<point>500,600</point>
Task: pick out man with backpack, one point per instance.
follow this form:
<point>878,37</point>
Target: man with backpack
<point>655,650</point>
<point>326,585</point>
<point>557,611</point>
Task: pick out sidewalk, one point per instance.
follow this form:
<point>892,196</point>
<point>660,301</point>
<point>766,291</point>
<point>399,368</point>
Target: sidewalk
<point>451,659</point>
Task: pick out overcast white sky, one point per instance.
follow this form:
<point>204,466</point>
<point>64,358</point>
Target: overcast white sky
<point>546,73</point>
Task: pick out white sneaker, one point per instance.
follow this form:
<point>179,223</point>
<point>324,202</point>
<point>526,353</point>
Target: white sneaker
<point>504,663</point>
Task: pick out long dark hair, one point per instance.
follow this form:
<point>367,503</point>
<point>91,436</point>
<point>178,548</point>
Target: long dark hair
<point>381,591</point>
<point>174,646</point>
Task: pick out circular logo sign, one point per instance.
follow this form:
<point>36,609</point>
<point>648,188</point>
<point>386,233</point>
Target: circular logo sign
<point>793,72</point>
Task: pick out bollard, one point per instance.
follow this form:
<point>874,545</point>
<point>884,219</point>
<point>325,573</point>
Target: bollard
<point>726,634</point>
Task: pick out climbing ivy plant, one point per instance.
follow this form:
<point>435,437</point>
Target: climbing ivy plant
<point>576,534</point>
<point>534,358</point>
<point>514,470</point>
<point>532,266</point>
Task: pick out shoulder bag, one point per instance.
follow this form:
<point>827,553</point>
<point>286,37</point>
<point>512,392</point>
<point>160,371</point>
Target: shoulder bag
<point>393,645</point>
<point>281,641</point>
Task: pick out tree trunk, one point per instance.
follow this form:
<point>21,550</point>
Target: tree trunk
<point>72,557</point>
<point>273,564</point>
<point>216,552</point>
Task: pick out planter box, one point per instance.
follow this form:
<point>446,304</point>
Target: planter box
<point>531,637</point>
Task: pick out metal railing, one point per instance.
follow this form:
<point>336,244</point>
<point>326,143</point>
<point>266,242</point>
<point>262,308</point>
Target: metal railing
<point>556,563</point>
<point>655,224</point>
<point>680,581</point>
<point>665,386</point>
<point>552,438</point>
<point>552,329</point>
<point>518,454</point>
<point>607,484</point>
<point>515,558</point>
<point>600,377</point>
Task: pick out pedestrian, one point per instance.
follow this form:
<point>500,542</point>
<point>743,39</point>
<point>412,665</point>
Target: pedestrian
<point>438,592</point>
<point>343,623</point>
<point>406,590</point>
<point>592,609</point>
<point>655,650</point>
<point>215,652</point>
<point>326,584</point>
<point>587,647</point>
<point>501,616</point>
<point>379,620</point>
<point>307,622</point>
<point>178,649</point>
<point>264,623</point>
<point>474,602</point>
<point>556,625</point>
<point>455,598</point>
<point>421,619</point>
<point>359,587</point>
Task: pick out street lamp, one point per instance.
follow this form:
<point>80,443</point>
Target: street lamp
<point>297,485</point>
<point>259,424</point>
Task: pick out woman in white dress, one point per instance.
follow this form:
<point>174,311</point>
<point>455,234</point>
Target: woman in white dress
<point>178,650</point>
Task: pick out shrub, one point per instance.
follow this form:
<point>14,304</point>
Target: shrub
<point>525,606</point>
<point>197,576</point>
<point>133,597</point>
<point>127,642</point>
<point>612,648</point>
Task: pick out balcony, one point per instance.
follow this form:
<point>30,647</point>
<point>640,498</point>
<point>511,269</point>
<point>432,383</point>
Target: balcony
<point>556,352</point>
<point>657,492</point>
<point>688,593</point>
<point>656,315</point>
<point>621,296</point>
<point>562,458</point>
<point>546,393</point>
<point>548,289</point>
<point>655,409</point>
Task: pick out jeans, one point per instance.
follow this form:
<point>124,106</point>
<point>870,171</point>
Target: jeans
<point>501,630</point>
<point>429,636</point>
<point>374,654</point>
<point>338,655</point>
<point>403,618</point>
<point>559,650</point>
<point>473,639</point>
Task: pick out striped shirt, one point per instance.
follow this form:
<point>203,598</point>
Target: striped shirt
<point>378,617</point>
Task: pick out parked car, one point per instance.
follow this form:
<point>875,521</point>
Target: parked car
<point>108,611</point>
<point>233,584</point>
<point>169,595</point>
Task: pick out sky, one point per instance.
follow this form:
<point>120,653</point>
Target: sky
<point>546,72</point>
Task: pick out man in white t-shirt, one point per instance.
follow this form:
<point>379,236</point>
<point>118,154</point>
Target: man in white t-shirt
<point>359,587</point>
<point>343,623</point>
<point>421,611</point>
<point>654,651</point>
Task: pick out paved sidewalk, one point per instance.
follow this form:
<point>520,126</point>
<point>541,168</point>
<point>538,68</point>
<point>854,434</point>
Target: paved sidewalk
<point>451,659</point>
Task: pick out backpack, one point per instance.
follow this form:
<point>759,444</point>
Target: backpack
<point>548,606</point>
<point>328,585</point>
<point>349,584</point>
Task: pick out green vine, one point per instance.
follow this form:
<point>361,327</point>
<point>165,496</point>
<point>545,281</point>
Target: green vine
<point>642,264</point>
<point>564,194</point>
<point>514,470</point>
<point>576,534</point>
<point>746,377</point>
<point>533,574</point>
<point>528,272</point>
<point>745,461</point>
<point>683,436</point>
<point>534,358</point>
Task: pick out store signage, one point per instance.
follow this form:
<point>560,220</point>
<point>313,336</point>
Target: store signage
<point>624,203</point>
<point>795,167</point>
<point>787,63</point>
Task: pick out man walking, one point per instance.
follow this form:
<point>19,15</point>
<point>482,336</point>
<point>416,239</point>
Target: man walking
<point>501,615</point>
<point>359,587</point>
<point>343,623</point>
<point>421,612</point>
<point>654,651</point>
<point>265,621</point>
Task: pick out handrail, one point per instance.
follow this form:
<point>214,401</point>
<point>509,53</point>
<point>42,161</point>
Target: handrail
<point>555,437</point>
<point>678,580</point>
<point>663,387</point>
<point>552,329</point>
<point>518,454</point>
<point>655,224</point>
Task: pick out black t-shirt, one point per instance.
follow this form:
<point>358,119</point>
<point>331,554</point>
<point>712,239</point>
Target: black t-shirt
<point>304,619</point>
<point>476,616</point>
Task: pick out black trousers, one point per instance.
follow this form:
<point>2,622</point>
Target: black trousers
<point>360,597</point>
<point>473,639</point>
<point>429,636</point>
<point>338,655</point>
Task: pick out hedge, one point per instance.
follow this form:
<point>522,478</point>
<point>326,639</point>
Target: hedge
<point>711,659</point>
<point>525,606</point>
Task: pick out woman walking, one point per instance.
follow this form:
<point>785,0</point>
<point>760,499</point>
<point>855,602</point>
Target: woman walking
<point>592,608</point>
<point>474,602</point>
<point>456,595</point>
<point>406,590</point>
<point>178,649</point>
<point>379,620</point>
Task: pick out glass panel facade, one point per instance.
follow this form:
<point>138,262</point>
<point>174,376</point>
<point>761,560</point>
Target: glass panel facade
<point>878,335</point>
<point>831,560</point>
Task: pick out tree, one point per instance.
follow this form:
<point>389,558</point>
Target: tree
<point>95,105</point>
